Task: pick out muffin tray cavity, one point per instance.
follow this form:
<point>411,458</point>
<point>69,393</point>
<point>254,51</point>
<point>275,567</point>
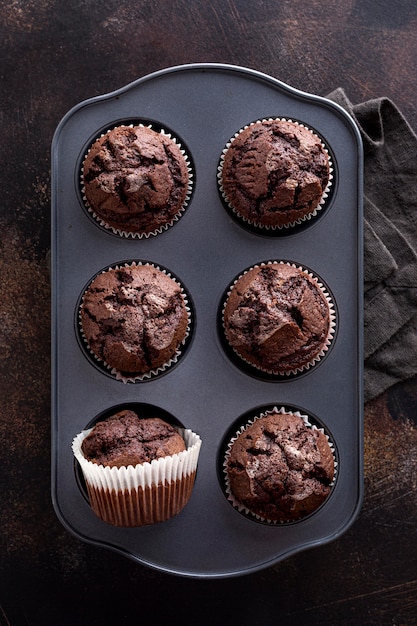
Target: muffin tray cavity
<point>206,389</point>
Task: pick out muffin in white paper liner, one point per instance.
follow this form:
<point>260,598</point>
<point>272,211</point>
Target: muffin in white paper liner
<point>132,377</point>
<point>241,507</point>
<point>326,342</point>
<point>148,493</point>
<point>141,234</point>
<point>289,224</point>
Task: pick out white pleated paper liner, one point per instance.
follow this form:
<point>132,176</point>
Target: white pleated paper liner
<point>157,231</point>
<point>148,493</point>
<point>326,343</point>
<point>134,377</point>
<point>242,508</point>
<point>282,227</point>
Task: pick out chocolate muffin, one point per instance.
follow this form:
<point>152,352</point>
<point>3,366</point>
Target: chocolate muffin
<point>277,318</point>
<point>134,319</point>
<point>274,173</point>
<point>123,439</point>
<point>137,471</point>
<point>279,468</point>
<point>136,180</point>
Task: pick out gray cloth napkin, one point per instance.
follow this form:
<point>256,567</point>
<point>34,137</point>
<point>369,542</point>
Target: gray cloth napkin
<point>390,242</point>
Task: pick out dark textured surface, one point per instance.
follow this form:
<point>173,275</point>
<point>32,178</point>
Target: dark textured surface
<point>55,54</point>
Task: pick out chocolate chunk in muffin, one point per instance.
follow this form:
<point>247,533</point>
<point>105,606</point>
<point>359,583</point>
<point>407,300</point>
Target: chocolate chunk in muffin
<point>134,318</point>
<point>136,180</point>
<point>124,439</point>
<point>274,173</point>
<point>277,318</point>
<point>279,468</point>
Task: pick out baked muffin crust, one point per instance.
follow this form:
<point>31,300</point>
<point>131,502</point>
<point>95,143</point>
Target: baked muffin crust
<point>275,173</point>
<point>135,179</point>
<point>134,318</point>
<point>279,468</point>
<point>276,318</point>
<point>124,439</point>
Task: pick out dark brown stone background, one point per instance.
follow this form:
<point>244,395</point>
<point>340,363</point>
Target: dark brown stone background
<point>54,54</point>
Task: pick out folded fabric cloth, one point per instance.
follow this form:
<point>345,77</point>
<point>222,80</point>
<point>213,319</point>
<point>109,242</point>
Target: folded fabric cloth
<point>390,242</point>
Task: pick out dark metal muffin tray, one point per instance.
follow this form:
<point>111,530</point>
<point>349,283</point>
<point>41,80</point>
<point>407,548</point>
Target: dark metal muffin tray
<point>204,105</point>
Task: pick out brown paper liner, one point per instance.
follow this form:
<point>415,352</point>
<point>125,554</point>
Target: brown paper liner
<point>141,507</point>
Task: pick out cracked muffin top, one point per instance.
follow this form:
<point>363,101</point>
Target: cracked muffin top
<point>135,179</point>
<point>125,439</point>
<point>134,318</point>
<point>280,468</point>
<point>274,173</point>
<point>277,318</point>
